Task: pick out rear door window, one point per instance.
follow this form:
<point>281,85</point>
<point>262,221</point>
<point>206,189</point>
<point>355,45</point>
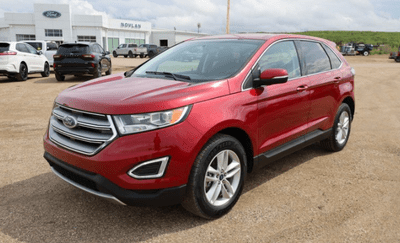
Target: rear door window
<point>314,57</point>
<point>36,45</point>
<point>22,48</point>
<point>4,47</point>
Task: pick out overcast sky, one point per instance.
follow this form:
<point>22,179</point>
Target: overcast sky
<point>246,15</point>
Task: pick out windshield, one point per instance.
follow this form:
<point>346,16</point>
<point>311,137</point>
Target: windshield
<point>202,60</point>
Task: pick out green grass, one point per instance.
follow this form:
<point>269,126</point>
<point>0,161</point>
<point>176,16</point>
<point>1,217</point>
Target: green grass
<point>387,41</point>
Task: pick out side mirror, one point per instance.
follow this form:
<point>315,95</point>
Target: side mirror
<point>39,52</point>
<point>271,76</point>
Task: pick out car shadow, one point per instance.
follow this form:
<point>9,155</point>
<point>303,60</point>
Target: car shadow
<point>46,209</point>
<point>68,79</point>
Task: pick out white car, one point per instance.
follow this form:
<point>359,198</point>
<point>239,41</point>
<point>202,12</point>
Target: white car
<point>17,59</point>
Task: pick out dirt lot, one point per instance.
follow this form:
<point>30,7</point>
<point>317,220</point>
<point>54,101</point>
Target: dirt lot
<point>310,196</point>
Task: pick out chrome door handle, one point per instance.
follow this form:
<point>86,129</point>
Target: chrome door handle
<point>302,88</point>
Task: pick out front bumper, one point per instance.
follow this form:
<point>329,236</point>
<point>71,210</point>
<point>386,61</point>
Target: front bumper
<point>102,187</point>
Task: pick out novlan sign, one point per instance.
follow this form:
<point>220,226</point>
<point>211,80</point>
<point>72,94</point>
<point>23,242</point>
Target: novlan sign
<point>132,26</point>
<point>51,14</point>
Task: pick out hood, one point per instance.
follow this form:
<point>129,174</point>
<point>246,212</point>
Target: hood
<point>116,94</point>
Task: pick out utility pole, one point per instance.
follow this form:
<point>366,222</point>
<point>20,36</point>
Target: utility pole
<point>227,18</point>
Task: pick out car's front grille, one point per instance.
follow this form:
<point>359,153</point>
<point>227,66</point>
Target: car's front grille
<point>80,131</point>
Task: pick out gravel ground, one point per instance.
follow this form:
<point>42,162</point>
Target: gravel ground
<point>309,196</point>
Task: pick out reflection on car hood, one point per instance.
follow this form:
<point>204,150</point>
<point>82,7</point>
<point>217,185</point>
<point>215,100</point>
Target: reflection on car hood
<point>116,94</point>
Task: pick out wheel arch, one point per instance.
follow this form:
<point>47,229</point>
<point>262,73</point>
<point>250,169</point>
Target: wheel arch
<point>245,140</point>
<point>350,102</point>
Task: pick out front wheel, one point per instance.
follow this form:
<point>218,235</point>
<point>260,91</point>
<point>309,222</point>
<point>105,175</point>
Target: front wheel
<point>115,54</point>
<point>46,70</point>
<point>365,53</point>
<point>340,130</point>
<point>130,54</point>
<point>217,178</point>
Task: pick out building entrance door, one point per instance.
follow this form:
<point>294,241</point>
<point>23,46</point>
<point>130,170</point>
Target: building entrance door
<point>113,43</point>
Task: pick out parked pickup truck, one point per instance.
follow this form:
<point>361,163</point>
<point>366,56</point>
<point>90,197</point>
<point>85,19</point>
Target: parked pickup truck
<point>48,48</point>
<point>129,50</point>
<point>152,50</point>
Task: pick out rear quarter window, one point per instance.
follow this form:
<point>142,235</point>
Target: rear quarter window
<point>335,61</point>
<point>314,57</point>
<point>4,47</point>
<point>68,49</point>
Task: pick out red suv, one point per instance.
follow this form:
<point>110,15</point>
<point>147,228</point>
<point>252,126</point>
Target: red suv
<point>188,130</point>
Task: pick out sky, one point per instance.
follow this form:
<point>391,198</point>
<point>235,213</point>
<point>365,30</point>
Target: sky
<point>245,15</point>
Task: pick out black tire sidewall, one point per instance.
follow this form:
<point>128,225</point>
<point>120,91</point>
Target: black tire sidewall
<point>23,76</point>
<point>115,54</point>
<point>343,107</point>
<point>225,142</point>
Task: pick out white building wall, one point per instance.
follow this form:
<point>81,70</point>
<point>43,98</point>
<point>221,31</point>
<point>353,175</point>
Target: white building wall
<point>64,22</point>
<point>5,34</point>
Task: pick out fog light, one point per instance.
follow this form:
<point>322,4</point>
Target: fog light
<point>150,170</point>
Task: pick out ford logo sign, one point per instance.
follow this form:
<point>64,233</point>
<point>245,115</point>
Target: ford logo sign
<point>51,14</point>
<point>70,121</point>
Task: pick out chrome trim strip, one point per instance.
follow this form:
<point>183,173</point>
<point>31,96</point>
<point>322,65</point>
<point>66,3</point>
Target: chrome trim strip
<point>289,39</point>
<point>161,170</point>
<point>75,110</point>
<point>88,140</point>
<point>71,149</point>
<point>99,194</point>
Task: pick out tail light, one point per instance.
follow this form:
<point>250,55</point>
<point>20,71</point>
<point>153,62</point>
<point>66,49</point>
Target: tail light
<point>54,65</point>
<point>57,56</point>
<point>92,64</point>
<point>88,56</point>
<point>8,53</point>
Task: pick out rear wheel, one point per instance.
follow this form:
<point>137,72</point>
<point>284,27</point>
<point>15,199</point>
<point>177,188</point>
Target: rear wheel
<point>141,55</point>
<point>217,177</point>
<point>340,131</point>
<point>97,71</point>
<point>46,70</point>
<point>23,72</point>
<point>397,59</point>
<point>108,72</point>
<point>115,54</point>
<point>366,53</point>
<point>59,77</point>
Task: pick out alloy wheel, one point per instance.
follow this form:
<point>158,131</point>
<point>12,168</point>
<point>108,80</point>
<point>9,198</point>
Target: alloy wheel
<point>343,126</point>
<point>222,178</point>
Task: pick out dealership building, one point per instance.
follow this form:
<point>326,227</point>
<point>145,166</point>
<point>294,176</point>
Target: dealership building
<point>55,22</point>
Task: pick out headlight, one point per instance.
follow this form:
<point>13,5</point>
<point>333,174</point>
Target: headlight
<point>128,124</point>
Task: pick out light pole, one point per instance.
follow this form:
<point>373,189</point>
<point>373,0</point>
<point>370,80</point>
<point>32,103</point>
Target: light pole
<point>227,18</point>
<point>198,27</point>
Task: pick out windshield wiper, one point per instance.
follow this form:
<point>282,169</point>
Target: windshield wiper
<point>173,75</point>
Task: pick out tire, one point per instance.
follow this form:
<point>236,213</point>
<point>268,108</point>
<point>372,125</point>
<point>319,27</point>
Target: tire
<point>342,125</point>
<point>397,59</point>
<point>109,71</point>
<point>59,77</point>
<point>151,54</point>
<point>130,54</point>
<point>224,179</point>
<point>46,70</point>
<point>23,72</point>
<point>97,71</point>
<point>141,55</point>
<point>115,54</point>
<point>365,53</point>
<point>125,56</point>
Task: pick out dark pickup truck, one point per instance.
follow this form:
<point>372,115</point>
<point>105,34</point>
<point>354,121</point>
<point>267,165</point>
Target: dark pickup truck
<point>153,50</point>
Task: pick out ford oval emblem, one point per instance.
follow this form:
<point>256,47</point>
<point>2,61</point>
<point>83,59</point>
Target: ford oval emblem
<point>51,14</point>
<point>70,121</point>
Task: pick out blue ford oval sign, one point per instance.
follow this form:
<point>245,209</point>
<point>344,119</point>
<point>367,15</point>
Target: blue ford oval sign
<point>51,14</point>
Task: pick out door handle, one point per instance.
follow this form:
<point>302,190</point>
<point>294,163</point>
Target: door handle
<point>302,88</point>
<point>337,79</point>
